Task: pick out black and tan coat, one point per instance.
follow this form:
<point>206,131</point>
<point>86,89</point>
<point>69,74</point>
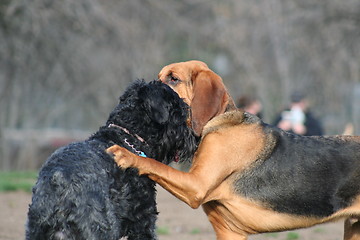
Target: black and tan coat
<point>250,177</point>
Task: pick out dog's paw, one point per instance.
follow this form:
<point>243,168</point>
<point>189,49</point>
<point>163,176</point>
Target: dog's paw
<point>111,150</point>
<point>122,156</point>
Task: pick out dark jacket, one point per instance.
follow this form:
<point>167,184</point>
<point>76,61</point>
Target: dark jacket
<point>313,126</point>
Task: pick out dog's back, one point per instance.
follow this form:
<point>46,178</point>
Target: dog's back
<point>82,194</point>
<point>290,177</point>
<point>72,175</point>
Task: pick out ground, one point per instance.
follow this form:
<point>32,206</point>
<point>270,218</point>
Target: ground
<point>176,221</point>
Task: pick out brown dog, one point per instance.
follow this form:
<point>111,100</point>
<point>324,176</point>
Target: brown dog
<point>252,178</point>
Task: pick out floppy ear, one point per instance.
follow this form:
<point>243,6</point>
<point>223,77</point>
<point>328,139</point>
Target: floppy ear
<point>210,99</point>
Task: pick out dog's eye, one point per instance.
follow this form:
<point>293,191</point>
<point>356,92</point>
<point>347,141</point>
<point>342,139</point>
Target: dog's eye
<point>174,80</point>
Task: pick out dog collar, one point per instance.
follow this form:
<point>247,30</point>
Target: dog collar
<point>140,153</point>
<point>127,131</point>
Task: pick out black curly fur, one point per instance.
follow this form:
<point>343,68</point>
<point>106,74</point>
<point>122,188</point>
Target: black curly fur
<point>82,194</point>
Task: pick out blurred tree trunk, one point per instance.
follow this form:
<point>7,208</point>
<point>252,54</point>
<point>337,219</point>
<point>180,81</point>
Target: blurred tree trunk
<point>277,27</point>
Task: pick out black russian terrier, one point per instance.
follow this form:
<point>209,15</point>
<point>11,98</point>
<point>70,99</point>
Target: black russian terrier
<point>82,194</point>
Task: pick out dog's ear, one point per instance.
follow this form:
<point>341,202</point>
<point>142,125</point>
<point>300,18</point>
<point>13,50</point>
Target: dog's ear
<point>155,106</point>
<point>209,99</point>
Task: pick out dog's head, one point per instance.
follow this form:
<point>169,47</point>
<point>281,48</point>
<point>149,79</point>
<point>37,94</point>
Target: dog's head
<point>157,114</point>
<point>201,88</point>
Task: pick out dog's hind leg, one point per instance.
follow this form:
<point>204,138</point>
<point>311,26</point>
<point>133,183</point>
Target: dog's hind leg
<point>352,229</point>
<point>221,228</point>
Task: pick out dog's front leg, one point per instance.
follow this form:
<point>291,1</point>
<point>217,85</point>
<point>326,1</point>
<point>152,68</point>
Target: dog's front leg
<point>193,188</point>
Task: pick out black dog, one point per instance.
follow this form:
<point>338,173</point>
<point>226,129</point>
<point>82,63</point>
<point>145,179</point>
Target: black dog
<point>82,194</point>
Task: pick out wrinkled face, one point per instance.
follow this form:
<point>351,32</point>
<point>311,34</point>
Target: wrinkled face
<point>180,77</point>
<point>199,87</point>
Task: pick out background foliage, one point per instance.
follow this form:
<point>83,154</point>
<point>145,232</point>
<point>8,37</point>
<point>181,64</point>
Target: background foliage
<point>63,64</point>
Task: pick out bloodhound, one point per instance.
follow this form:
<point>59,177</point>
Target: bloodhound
<point>251,177</point>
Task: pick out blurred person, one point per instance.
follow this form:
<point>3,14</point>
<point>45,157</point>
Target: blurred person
<point>298,119</point>
<point>251,105</point>
<point>349,129</point>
